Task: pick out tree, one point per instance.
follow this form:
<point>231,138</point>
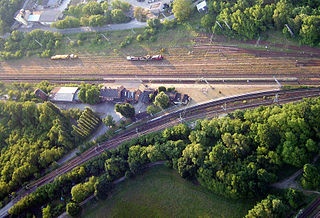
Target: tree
<point>311,177</point>
<point>73,209</point>
<point>81,191</point>
<point>282,13</point>
<point>153,109</point>
<point>109,121</point>
<point>92,8</point>
<point>46,212</point>
<point>294,197</point>
<point>118,16</point>
<point>97,20</point>
<point>162,100</point>
<point>102,187</point>
<point>269,207</point>
<point>121,5</point>
<point>140,14</point>
<point>126,110</point>
<point>182,9</point>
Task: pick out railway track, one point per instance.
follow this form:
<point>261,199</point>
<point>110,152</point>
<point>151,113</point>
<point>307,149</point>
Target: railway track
<point>307,212</point>
<point>208,109</point>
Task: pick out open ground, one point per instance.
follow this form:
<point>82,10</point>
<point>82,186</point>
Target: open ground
<point>161,192</point>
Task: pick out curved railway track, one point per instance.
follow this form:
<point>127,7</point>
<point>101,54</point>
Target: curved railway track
<point>208,109</point>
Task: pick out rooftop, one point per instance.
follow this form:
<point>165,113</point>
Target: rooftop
<point>65,94</point>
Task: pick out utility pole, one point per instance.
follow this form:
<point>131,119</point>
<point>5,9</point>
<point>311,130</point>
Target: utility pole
<point>224,107</point>
<point>289,30</point>
<point>276,99</point>
<point>258,41</point>
<point>38,42</point>
<point>105,37</point>
<point>227,24</point>
<point>275,79</point>
<point>219,24</point>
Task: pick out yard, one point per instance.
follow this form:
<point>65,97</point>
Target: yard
<point>161,192</point>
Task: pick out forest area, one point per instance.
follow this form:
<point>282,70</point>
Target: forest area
<point>237,156</point>
<point>247,20</point>
<point>33,137</point>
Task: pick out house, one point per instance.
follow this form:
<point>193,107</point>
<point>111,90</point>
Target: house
<point>64,94</point>
<point>185,99</point>
<point>45,17</point>
<point>48,17</point>
<point>22,16</point>
<point>178,98</point>
<point>156,8</point>
<point>144,96</point>
<point>41,94</point>
<point>202,7</point>
<point>111,95</point>
<point>130,95</point>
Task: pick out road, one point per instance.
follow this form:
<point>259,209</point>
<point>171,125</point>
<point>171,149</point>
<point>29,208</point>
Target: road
<point>123,26</point>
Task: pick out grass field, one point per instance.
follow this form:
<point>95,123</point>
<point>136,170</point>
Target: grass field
<point>161,192</point>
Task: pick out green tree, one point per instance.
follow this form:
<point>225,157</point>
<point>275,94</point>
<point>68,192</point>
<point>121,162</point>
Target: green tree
<point>118,16</point>
<point>109,121</point>
<point>46,212</point>
<point>153,109</point>
<point>294,197</point>
<point>140,14</point>
<point>102,187</point>
<point>182,9</point>
<point>73,209</point>
<point>269,207</point>
<point>162,100</point>
<point>311,177</point>
<point>92,8</point>
<point>126,110</point>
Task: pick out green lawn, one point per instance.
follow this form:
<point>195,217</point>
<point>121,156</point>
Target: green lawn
<point>161,192</point>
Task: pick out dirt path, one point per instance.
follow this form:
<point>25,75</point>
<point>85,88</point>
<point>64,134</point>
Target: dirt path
<point>291,181</point>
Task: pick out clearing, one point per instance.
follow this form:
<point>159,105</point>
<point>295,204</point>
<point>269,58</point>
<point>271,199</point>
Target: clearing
<point>161,192</point>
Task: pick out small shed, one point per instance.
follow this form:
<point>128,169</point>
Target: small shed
<point>41,94</point>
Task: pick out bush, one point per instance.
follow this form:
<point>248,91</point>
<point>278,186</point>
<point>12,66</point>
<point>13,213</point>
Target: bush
<point>139,38</point>
<point>152,39</point>
<point>46,53</point>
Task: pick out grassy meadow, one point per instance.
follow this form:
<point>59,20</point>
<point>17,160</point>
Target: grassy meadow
<point>161,192</point>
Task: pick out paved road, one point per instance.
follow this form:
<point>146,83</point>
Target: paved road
<point>122,26</point>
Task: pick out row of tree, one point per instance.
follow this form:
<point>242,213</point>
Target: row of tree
<point>237,156</point>
<point>94,14</point>
<point>20,44</point>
